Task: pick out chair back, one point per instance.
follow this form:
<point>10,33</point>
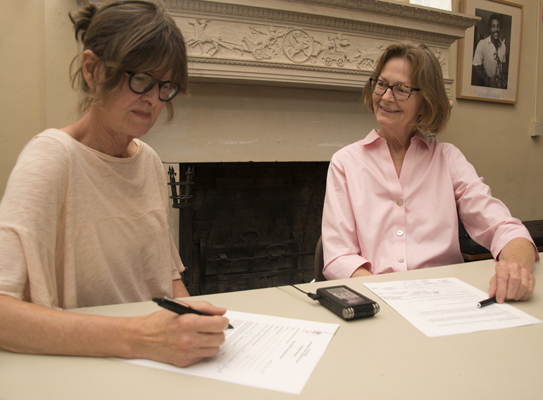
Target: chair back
<point>319,262</point>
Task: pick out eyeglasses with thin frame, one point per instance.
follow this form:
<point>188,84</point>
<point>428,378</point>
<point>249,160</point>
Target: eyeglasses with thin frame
<point>142,82</point>
<point>400,92</point>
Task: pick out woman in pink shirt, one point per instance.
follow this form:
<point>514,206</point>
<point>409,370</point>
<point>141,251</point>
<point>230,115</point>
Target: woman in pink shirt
<point>393,199</point>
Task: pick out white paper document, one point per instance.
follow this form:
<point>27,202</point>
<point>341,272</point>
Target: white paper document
<point>263,351</point>
<point>447,306</point>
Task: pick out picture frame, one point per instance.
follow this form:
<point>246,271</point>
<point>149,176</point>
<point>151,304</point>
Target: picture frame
<point>489,54</point>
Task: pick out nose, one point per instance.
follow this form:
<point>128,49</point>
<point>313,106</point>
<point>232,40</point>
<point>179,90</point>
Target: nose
<point>388,96</point>
<point>152,95</point>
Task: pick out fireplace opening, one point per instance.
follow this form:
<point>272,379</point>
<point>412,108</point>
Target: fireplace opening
<point>247,225</point>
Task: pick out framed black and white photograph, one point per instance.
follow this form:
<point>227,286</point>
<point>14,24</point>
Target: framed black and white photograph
<point>489,54</point>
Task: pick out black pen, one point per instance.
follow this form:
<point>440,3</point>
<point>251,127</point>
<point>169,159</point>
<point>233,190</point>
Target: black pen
<point>486,302</point>
<point>179,307</point>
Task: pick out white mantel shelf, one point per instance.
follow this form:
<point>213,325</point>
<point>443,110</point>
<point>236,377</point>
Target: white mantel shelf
<point>319,43</point>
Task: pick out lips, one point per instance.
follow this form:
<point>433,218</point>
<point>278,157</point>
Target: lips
<point>388,110</point>
<point>142,114</point>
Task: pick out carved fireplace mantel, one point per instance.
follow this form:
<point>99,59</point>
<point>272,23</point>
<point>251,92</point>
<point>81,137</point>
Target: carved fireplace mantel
<point>322,43</point>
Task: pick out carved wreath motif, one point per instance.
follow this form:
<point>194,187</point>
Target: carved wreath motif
<point>280,44</point>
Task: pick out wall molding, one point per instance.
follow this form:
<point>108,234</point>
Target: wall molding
<point>321,43</point>
<point>400,11</point>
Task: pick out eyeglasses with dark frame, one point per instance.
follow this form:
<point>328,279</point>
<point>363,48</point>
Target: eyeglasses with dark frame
<point>142,82</point>
<point>400,92</point>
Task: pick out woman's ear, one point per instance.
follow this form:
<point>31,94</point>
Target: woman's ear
<point>90,68</point>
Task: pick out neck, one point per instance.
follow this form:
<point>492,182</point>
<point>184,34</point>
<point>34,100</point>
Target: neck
<point>397,146</point>
<point>92,132</point>
<point>397,142</point>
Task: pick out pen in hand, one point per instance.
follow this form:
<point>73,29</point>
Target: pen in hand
<point>486,302</point>
<point>179,307</point>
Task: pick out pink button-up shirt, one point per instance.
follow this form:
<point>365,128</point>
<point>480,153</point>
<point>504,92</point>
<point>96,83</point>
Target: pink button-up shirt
<point>385,223</point>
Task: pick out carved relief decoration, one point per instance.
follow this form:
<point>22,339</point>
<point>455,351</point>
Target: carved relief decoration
<point>269,43</point>
<point>234,41</point>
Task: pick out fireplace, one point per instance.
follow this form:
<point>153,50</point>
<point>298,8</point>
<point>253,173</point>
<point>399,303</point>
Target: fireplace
<point>247,225</point>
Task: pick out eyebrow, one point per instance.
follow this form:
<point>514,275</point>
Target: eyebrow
<point>388,82</point>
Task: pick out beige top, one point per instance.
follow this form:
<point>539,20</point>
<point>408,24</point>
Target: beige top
<point>79,228</point>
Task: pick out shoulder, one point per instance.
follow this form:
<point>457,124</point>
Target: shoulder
<point>355,151</point>
<point>46,151</point>
<point>42,171</point>
<point>460,169</point>
<point>147,155</point>
<point>145,149</point>
<point>346,156</point>
<point>448,151</point>
<point>347,150</point>
<point>50,138</point>
<point>483,43</point>
<point>148,161</point>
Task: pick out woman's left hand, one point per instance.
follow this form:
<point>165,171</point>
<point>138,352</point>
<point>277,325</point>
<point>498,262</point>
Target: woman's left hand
<point>511,282</point>
<point>513,279</point>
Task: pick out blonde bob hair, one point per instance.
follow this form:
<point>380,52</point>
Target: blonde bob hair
<point>426,75</point>
<point>128,36</point>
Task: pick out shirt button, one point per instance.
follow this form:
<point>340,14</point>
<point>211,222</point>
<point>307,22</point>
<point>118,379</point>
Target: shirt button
<point>399,202</point>
<point>399,232</point>
<point>401,259</point>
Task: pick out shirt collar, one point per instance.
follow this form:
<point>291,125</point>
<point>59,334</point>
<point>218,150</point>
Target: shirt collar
<point>373,137</point>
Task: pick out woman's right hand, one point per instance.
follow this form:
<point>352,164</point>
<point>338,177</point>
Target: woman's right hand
<point>181,340</point>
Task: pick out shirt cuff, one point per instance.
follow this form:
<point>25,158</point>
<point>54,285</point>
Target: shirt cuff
<point>343,267</point>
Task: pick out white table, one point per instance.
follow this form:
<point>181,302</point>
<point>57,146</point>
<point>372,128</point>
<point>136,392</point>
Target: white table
<point>383,357</point>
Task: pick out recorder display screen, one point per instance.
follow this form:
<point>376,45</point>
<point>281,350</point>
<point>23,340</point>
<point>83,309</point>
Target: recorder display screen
<point>346,296</point>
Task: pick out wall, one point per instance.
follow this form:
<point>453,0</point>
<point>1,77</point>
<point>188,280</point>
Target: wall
<point>37,45</point>
<point>240,122</point>
<point>22,79</point>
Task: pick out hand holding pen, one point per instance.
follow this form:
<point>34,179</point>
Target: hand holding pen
<point>179,307</point>
<point>513,279</point>
<point>179,340</point>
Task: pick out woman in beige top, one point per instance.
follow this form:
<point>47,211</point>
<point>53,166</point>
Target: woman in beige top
<point>83,221</point>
